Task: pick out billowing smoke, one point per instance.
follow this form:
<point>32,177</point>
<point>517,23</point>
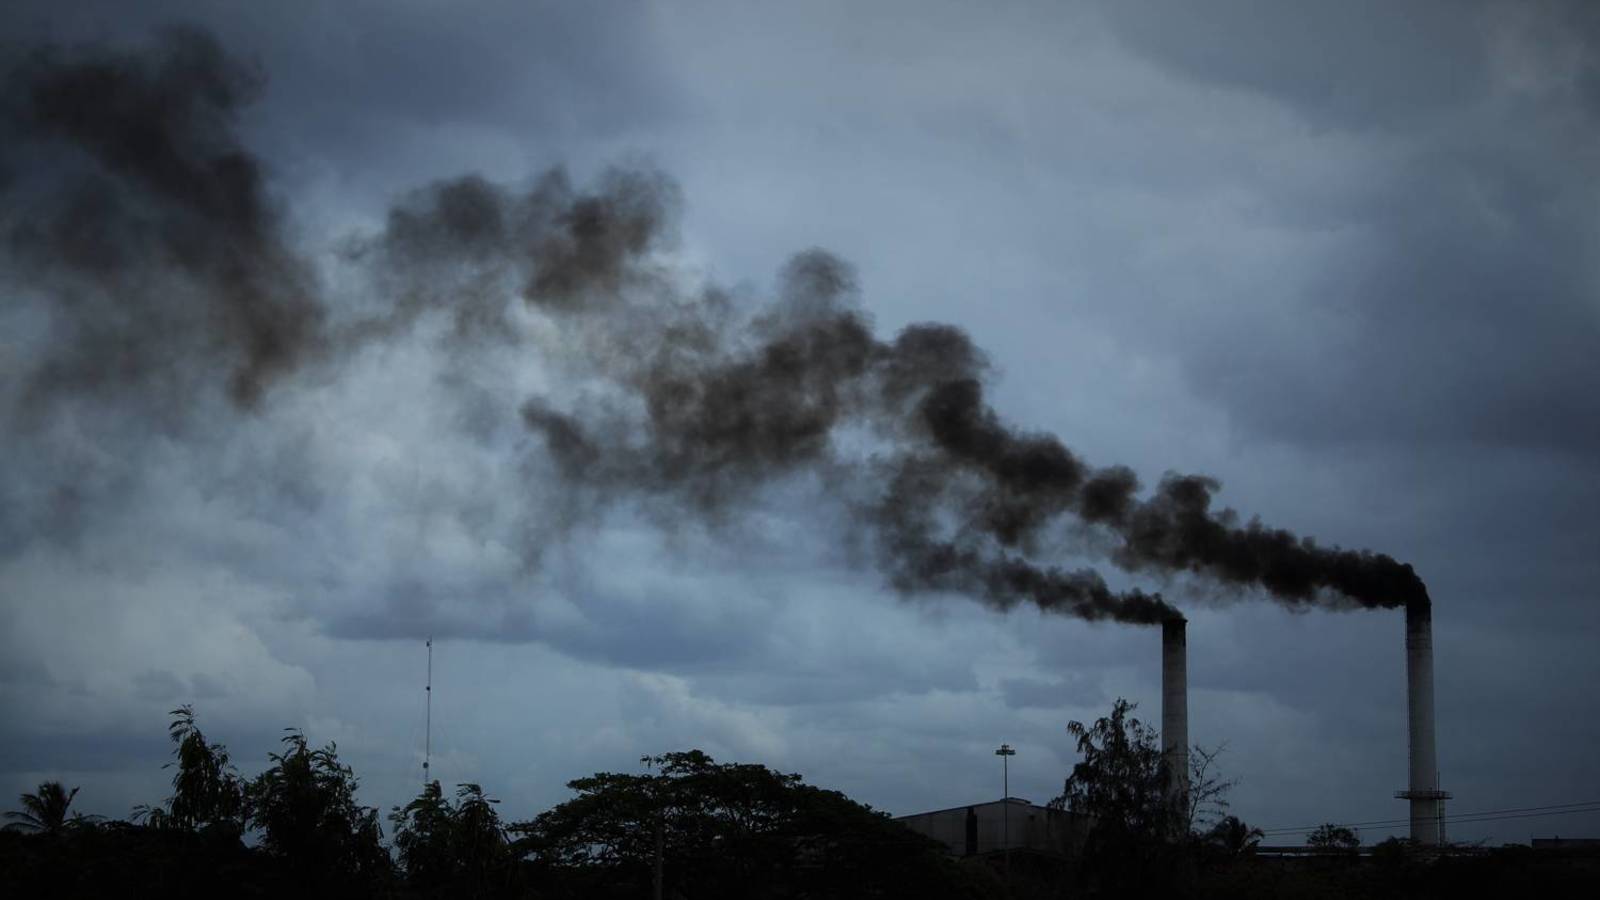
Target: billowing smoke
<point>167,269</point>
<point>962,499</point>
<point>132,202</point>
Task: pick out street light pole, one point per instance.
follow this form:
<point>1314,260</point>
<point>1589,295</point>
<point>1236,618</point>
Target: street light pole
<point>1005,753</point>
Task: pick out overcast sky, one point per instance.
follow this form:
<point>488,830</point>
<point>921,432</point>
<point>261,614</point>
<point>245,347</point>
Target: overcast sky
<point>1340,256</point>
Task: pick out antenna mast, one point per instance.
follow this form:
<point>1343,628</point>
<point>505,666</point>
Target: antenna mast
<point>427,745</point>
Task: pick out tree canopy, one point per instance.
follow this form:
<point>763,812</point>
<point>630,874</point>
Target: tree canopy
<point>453,848</point>
<point>44,811</point>
<point>710,829</point>
<point>1334,838</point>
<point>304,805</point>
<point>1138,843</point>
<point>1233,838</point>
<point>207,791</point>
<point>1119,780</point>
<point>728,830</point>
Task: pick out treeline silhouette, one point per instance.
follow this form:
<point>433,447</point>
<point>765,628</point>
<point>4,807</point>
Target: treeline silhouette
<point>690,827</point>
<point>696,827</point>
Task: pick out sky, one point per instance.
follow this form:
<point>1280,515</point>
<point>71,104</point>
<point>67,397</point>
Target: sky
<point>325,329</point>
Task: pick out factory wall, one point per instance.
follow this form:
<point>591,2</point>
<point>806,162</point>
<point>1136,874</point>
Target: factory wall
<point>981,828</point>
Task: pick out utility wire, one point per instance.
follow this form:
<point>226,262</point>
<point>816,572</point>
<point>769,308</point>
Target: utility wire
<point>1486,812</point>
<point>1449,820</point>
<point>1559,812</point>
<point>1461,820</point>
<point>1488,815</point>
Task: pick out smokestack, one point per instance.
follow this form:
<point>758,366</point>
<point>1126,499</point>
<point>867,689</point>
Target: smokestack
<point>1175,716</point>
<point>1424,793</point>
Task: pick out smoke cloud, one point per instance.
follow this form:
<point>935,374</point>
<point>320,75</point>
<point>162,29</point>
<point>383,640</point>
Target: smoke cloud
<point>144,222</point>
<point>134,205</point>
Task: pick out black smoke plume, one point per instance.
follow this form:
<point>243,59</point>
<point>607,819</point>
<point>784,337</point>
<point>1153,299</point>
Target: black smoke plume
<point>133,202</point>
<point>166,264</point>
<point>964,498</point>
<point>128,197</point>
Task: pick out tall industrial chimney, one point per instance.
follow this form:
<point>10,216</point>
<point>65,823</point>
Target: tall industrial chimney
<point>1424,792</point>
<point>1175,716</point>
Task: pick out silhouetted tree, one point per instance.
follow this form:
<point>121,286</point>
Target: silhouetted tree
<point>207,792</point>
<point>482,850</point>
<point>1119,780</point>
<point>458,850</point>
<point>304,805</point>
<point>423,839</point>
<point>45,812</point>
<point>728,830</point>
<point>1334,838</point>
<point>1120,783</point>
<point>1232,838</point>
<point>1208,791</point>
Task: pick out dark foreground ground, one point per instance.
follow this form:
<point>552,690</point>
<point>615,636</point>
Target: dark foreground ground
<point>130,861</point>
<point>1507,872</point>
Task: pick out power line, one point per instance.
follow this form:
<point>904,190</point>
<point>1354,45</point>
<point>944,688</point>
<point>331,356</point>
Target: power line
<point>1486,812</point>
<point>1452,820</point>
<point>1561,807</point>
<point>1559,812</point>
<point>1488,815</point>
<point>1461,820</point>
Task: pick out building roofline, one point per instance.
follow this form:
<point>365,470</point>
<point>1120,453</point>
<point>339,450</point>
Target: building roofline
<point>1028,803</point>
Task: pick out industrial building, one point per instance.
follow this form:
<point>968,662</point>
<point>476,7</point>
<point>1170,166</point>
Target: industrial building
<point>999,825</point>
<point>1016,824</point>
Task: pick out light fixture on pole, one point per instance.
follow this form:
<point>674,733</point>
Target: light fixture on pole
<point>1005,753</point>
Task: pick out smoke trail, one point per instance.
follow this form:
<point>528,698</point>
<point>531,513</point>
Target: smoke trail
<point>1032,479</point>
<point>166,264</point>
<point>966,497</point>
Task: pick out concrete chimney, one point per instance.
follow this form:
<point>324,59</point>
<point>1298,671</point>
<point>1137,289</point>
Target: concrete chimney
<point>1175,716</point>
<point>1424,792</point>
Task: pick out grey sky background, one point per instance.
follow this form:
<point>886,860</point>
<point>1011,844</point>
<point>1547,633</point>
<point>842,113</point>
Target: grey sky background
<point>1340,256</point>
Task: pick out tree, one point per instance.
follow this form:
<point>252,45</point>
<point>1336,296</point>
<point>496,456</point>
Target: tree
<point>1233,838</point>
<point>1119,780</point>
<point>482,851</point>
<point>727,830</point>
<point>45,812</point>
<point>1333,838</point>
<point>305,806</point>
<point>1121,785</point>
<point>1208,790</point>
<point>207,792</point>
<point>422,837</point>
<point>458,849</point>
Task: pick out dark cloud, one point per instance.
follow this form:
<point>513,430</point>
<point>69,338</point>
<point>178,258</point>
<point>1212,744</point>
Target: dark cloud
<point>1459,295</point>
<point>664,628</point>
<point>1467,317</point>
<point>1076,690</point>
<point>1359,65</point>
<point>1337,257</point>
<point>23,753</point>
<point>351,80</point>
<point>848,680</point>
